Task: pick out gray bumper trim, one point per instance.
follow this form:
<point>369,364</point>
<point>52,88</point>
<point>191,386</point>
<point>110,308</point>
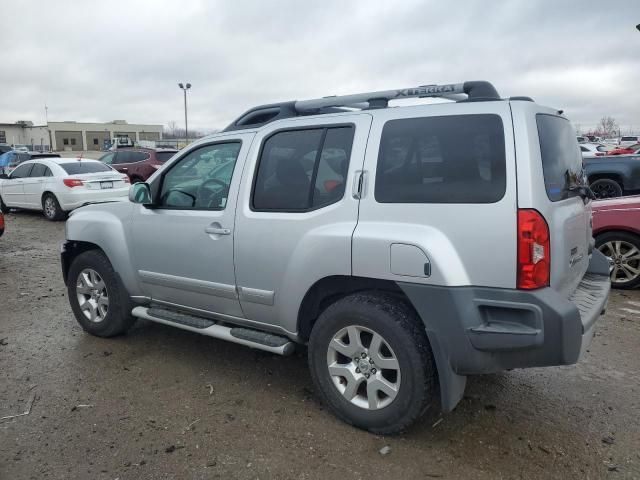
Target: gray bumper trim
<point>485,330</point>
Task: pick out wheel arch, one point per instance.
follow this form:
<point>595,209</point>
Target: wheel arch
<point>70,250</point>
<point>330,289</point>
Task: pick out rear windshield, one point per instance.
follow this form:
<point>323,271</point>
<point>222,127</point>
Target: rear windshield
<point>85,167</point>
<point>561,159</point>
<point>164,156</point>
<point>450,159</point>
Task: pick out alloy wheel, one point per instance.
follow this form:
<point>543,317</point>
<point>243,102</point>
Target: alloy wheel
<point>49,207</point>
<point>624,259</point>
<point>93,297</point>
<point>363,367</point>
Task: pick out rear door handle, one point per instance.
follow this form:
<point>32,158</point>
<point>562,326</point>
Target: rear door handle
<point>124,169</point>
<point>213,230</point>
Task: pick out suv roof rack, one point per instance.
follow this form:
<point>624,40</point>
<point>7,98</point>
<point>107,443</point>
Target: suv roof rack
<point>261,115</point>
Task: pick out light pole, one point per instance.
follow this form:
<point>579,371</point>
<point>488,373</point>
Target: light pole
<point>184,88</point>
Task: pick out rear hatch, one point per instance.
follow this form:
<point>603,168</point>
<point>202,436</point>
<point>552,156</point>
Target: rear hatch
<point>556,190</point>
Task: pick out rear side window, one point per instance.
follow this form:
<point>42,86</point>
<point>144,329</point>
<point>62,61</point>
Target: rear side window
<point>38,170</point>
<point>451,159</point>
<point>561,160</point>
<point>164,156</point>
<point>301,170</point>
<point>131,157</point>
<point>629,139</point>
<point>85,167</point>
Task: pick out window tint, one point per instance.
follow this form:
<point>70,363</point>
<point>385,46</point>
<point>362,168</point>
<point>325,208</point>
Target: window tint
<point>164,156</point>
<point>628,139</point>
<point>22,171</point>
<point>131,157</point>
<point>108,158</point>
<point>452,159</point>
<point>561,160</point>
<point>584,149</point>
<point>201,179</point>
<point>84,167</point>
<point>38,170</point>
<point>292,162</point>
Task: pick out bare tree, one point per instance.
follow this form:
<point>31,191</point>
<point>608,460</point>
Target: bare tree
<point>607,127</point>
<point>172,127</point>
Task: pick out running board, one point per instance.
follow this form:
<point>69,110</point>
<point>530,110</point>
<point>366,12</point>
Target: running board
<point>204,326</point>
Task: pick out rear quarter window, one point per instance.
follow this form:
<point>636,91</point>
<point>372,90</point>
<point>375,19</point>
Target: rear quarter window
<point>561,158</point>
<point>449,159</point>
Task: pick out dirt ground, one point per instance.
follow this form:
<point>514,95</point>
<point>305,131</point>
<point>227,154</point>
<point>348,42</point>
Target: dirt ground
<point>164,403</point>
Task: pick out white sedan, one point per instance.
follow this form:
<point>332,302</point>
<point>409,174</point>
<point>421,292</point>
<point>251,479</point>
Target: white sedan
<point>590,150</point>
<point>58,185</point>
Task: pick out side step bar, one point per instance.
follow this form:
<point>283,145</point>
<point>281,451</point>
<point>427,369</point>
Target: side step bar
<point>204,326</point>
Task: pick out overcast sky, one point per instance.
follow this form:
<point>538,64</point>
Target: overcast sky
<point>100,61</point>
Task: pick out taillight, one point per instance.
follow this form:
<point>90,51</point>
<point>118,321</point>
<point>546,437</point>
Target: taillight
<point>534,262</point>
<point>72,182</point>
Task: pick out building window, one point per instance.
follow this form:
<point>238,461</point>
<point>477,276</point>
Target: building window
<point>3,136</point>
<point>95,141</point>
<point>73,141</point>
<point>65,141</point>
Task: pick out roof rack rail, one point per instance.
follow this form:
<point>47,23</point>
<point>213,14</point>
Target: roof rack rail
<point>261,115</point>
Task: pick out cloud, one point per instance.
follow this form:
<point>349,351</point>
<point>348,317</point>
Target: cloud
<point>99,61</point>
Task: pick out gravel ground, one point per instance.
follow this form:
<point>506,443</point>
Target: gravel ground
<point>164,403</point>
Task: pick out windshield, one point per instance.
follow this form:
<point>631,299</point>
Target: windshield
<point>85,167</point>
<point>561,159</point>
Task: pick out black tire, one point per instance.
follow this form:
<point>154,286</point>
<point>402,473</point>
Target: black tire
<point>52,211</point>
<point>118,318</point>
<point>404,334</point>
<point>3,207</point>
<point>604,243</point>
<point>606,188</point>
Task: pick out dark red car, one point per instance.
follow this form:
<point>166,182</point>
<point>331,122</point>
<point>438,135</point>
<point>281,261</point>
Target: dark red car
<point>630,150</point>
<point>616,228</point>
<point>138,163</point>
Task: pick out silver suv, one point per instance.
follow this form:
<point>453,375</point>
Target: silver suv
<point>407,247</point>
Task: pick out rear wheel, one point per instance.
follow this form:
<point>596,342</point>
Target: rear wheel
<point>51,208</point>
<point>100,306</point>
<point>371,362</point>
<point>623,251</point>
<point>606,188</point>
<point>3,207</point>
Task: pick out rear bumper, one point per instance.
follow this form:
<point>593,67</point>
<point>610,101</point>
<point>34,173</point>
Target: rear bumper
<point>485,330</point>
<point>71,200</point>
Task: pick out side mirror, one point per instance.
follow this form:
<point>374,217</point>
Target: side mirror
<point>140,193</point>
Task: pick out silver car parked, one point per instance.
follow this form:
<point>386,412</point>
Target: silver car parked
<point>407,247</point>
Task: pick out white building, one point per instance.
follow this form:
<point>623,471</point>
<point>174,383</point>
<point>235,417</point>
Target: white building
<point>75,136</point>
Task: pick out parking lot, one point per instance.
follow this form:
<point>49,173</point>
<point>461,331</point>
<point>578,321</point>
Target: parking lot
<point>165,403</point>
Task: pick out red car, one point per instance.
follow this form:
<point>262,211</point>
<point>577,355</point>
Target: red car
<point>138,163</point>
<point>616,228</point>
<point>1,223</point>
<point>630,150</point>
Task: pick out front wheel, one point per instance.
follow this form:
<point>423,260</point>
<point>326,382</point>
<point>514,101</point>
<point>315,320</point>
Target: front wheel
<point>372,364</point>
<point>3,206</point>
<point>98,303</point>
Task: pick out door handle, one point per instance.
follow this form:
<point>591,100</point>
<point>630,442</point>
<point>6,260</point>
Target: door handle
<point>124,169</point>
<point>215,230</point>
